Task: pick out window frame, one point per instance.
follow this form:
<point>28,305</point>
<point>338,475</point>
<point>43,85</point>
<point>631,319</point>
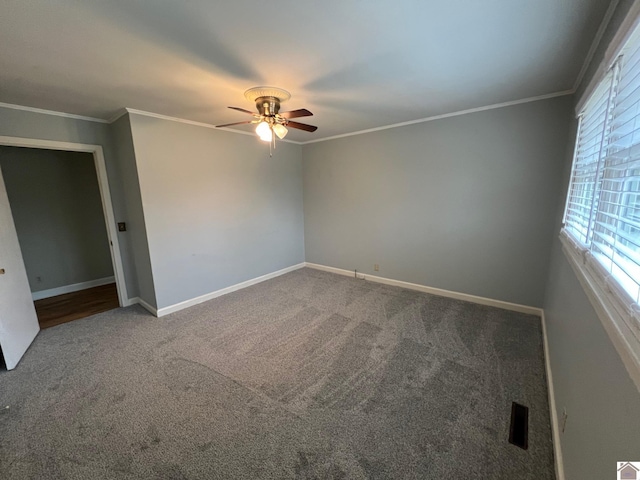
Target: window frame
<point>617,310</point>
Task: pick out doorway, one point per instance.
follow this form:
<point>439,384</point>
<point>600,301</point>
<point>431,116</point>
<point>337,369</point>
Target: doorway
<point>69,245</point>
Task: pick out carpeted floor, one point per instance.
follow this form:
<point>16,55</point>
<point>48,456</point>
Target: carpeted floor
<point>309,375</point>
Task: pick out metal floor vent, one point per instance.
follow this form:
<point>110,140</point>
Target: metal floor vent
<point>519,429</point>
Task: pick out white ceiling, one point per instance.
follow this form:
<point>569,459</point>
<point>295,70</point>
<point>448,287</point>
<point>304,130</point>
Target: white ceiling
<point>356,64</point>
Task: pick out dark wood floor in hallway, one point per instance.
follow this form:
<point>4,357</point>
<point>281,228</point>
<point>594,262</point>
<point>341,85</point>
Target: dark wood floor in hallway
<point>72,306</point>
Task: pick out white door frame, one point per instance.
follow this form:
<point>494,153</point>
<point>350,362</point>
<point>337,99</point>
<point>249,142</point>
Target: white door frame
<point>105,195</point>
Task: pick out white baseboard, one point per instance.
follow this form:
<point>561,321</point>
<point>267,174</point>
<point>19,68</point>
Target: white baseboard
<point>139,301</point>
<point>76,287</point>
<point>131,301</point>
<point>515,307</point>
<point>555,426</point>
<point>238,286</point>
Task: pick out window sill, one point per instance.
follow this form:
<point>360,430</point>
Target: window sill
<point>618,314</point>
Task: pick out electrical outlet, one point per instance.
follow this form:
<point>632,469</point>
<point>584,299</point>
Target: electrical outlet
<point>376,267</point>
<point>564,418</point>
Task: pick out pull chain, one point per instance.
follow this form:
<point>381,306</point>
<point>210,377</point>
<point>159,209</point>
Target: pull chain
<point>273,141</point>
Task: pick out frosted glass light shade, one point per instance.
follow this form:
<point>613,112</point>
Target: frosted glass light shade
<point>262,129</point>
<point>267,137</point>
<point>280,130</point>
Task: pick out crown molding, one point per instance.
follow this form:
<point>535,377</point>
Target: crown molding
<point>119,113</point>
<point>595,43</point>
<point>52,112</point>
<point>447,115</point>
<point>197,124</point>
<point>126,110</point>
<point>173,119</point>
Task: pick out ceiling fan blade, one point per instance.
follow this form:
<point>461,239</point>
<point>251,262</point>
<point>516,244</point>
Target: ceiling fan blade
<point>231,124</point>
<point>302,126</point>
<point>302,112</point>
<point>242,110</point>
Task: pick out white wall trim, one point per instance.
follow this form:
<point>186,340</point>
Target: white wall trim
<point>238,286</point>
<point>110,220</point>
<point>515,307</point>
<point>595,43</point>
<point>197,124</point>
<point>74,287</point>
<point>131,301</point>
<point>179,120</point>
<point>555,425</point>
<point>138,301</point>
<point>121,112</point>
<point>593,84</point>
<point>52,112</point>
<point>447,115</point>
<point>105,195</point>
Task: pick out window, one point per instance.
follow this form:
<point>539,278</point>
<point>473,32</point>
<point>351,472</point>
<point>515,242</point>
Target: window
<point>588,157</point>
<point>601,231</point>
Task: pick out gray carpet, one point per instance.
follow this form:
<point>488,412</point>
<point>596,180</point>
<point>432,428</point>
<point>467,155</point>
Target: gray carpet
<point>309,375</point>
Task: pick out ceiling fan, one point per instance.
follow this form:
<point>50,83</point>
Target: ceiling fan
<point>269,118</point>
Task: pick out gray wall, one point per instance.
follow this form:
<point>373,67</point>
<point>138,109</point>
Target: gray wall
<point>590,380</point>
<point>18,123</point>
<point>57,210</point>
<point>136,234</point>
<point>464,204</point>
<point>218,210</point>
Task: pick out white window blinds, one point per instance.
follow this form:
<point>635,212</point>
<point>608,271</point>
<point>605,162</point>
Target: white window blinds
<point>590,147</point>
<point>603,204</point>
<point>616,227</point>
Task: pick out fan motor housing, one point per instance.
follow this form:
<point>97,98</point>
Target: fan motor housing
<point>268,106</point>
<point>267,99</point>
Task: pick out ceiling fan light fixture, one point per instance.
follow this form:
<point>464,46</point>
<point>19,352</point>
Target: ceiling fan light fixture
<point>263,129</point>
<point>280,130</point>
<point>270,121</point>
<point>264,132</point>
<point>267,138</point>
